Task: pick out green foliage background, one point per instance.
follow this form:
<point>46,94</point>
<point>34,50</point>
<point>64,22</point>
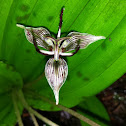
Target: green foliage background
<point>90,71</point>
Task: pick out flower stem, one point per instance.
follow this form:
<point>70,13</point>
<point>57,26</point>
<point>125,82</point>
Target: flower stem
<point>34,119</point>
<point>79,116</point>
<point>70,111</point>
<point>22,99</point>
<point>17,110</point>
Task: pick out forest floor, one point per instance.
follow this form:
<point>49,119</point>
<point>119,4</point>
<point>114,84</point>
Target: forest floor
<point>114,99</point>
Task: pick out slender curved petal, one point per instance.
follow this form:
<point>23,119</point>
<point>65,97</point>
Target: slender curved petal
<point>41,34</point>
<point>82,40</point>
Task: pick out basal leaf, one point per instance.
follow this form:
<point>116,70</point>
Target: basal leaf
<point>9,81</point>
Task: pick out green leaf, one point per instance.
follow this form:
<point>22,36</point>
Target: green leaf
<point>90,70</point>
<point>94,110</point>
<point>9,81</point>
<point>103,62</point>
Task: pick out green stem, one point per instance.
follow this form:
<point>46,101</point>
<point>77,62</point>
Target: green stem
<point>22,99</point>
<point>16,109</point>
<point>34,119</point>
<point>72,112</point>
<point>79,116</point>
